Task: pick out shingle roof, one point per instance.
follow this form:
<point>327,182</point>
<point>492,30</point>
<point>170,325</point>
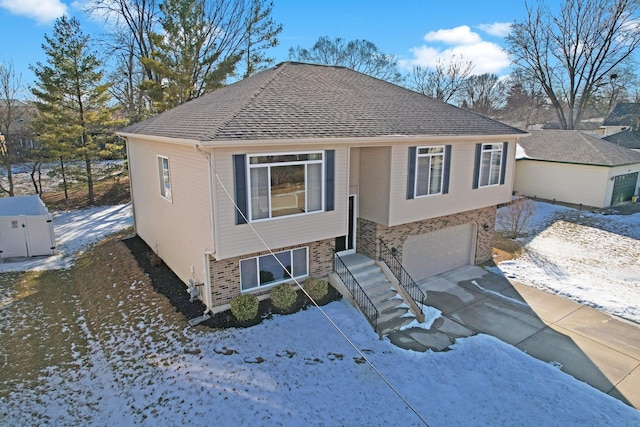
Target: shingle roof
<point>573,146</point>
<point>294,100</point>
<point>627,138</point>
<point>623,114</point>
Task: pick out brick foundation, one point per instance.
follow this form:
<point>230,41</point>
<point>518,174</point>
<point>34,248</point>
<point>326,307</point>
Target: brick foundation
<point>225,274</point>
<point>369,232</point>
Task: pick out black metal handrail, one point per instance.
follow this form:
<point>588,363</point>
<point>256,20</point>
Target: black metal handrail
<point>360,297</point>
<point>401,274</point>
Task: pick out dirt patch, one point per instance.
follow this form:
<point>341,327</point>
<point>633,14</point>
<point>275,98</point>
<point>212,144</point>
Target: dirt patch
<point>167,283</point>
<point>107,192</point>
<point>505,249</point>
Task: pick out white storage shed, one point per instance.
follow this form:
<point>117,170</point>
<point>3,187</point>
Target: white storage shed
<point>26,228</point>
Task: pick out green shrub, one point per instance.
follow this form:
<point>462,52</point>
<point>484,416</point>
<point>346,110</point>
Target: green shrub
<point>245,307</point>
<point>283,297</point>
<point>316,288</point>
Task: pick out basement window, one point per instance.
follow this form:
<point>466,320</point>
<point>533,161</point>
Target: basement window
<point>267,270</point>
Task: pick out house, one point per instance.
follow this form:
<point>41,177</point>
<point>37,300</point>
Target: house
<point>309,160</point>
<point>573,167</point>
<point>629,139</point>
<point>624,116</point>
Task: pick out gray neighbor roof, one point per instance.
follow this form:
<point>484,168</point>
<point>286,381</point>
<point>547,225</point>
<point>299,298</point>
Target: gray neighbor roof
<point>627,138</point>
<point>623,114</point>
<point>294,100</point>
<point>574,146</point>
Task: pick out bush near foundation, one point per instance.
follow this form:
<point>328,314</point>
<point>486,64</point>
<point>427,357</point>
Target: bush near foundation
<point>317,289</point>
<point>283,297</point>
<point>245,307</point>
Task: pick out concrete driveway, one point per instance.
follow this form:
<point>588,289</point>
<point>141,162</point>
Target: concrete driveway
<point>597,348</point>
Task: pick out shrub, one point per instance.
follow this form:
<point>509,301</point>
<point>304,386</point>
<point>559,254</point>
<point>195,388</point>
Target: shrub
<point>283,297</point>
<point>513,219</point>
<point>317,289</point>
<point>245,307</point>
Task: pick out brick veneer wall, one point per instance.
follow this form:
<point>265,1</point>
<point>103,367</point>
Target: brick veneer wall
<point>225,274</point>
<point>369,232</point>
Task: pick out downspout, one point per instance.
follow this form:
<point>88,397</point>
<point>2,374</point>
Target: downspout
<point>207,254</point>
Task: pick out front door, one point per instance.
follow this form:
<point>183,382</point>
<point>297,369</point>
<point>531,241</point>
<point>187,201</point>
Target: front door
<point>347,244</point>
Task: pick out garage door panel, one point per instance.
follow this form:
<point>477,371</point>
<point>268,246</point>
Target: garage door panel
<point>439,251</point>
<point>624,187</point>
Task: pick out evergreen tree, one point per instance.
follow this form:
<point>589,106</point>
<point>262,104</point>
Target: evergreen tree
<point>262,33</point>
<point>72,100</point>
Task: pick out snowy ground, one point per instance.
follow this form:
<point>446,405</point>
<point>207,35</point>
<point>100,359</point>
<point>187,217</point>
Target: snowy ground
<point>590,258</point>
<point>149,368</point>
<point>75,231</point>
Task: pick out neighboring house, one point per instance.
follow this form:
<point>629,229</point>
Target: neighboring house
<point>624,116</point>
<point>573,167</point>
<point>309,160</point>
<point>629,139</point>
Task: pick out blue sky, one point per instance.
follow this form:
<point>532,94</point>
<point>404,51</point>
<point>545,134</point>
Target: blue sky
<point>416,31</point>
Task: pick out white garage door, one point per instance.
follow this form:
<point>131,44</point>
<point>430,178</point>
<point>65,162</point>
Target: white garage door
<point>439,251</point>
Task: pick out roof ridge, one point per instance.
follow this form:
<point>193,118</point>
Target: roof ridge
<point>276,71</point>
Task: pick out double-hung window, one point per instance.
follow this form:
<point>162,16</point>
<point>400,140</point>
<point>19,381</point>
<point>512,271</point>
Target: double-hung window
<point>429,170</point>
<point>268,270</point>
<point>165,178</point>
<point>285,184</point>
<point>491,160</point>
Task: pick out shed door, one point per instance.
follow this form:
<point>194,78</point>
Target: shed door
<point>12,237</point>
<point>624,187</point>
<point>439,251</point>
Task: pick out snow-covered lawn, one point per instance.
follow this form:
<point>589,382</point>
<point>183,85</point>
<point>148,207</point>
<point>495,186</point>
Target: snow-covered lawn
<point>75,231</point>
<point>138,363</point>
<point>590,258</point>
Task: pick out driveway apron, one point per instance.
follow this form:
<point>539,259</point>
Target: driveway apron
<point>599,349</point>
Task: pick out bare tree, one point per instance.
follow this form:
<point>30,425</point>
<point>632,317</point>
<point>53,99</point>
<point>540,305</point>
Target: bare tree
<point>526,103</point>
<point>513,218</point>
<point>484,94</point>
<point>571,53</point>
<point>359,55</point>
<point>11,111</point>
<point>443,81</point>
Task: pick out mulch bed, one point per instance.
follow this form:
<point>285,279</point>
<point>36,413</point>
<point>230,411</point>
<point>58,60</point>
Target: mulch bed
<point>167,283</point>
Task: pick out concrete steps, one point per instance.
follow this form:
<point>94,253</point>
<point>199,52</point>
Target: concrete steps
<point>393,312</point>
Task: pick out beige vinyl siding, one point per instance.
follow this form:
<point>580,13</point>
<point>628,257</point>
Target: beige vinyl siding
<point>461,197</point>
<point>237,240</point>
<point>564,182</point>
<point>354,170</point>
<point>375,174</point>
<point>178,230</point>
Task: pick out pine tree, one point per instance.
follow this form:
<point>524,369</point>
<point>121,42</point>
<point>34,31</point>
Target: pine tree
<point>72,100</point>
<point>262,34</point>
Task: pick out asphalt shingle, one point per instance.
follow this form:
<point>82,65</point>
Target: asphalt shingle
<point>295,101</point>
<point>573,146</point>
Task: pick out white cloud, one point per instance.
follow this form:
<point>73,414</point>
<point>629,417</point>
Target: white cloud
<point>43,11</point>
<point>487,57</point>
<point>498,29</point>
<point>453,36</point>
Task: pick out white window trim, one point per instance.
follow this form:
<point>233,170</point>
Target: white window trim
<point>415,172</point>
<point>492,151</point>
<point>277,282</point>
<point>161,179</point>
<point>269,165</point>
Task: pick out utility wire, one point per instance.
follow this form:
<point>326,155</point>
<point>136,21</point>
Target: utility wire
<point>337,328</point>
